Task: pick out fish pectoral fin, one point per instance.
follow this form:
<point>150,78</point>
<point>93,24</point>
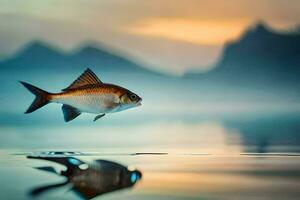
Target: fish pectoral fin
<point>47,169</point>
<point>70,112</point>
<point>98,117</point>
<point>108,104</point>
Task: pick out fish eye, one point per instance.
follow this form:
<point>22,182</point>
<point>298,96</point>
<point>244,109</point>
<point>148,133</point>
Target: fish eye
<point>133,97</point>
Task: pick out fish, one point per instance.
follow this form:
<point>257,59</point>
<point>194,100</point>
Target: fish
<point>87,94</point>
<point>88,179</point>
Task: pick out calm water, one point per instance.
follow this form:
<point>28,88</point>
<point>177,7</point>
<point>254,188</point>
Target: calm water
<point>244,156</point>
<point>172,176</point>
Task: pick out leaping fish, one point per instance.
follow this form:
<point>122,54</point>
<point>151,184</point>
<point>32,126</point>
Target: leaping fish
<point>86,94</point>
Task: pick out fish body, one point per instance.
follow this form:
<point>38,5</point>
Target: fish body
<point>86,94</point>
<point>89,179</point>
<point>103,98</point>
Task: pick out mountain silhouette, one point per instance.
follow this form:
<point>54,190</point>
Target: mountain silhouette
<point>41,56</point>
<point>260,56</point>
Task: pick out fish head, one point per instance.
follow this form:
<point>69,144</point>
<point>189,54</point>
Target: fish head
<point>130,100</point>
<point>130,178</point>
<point>135,176</point>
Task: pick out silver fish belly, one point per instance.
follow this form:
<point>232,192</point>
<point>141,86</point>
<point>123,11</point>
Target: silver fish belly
<point>93,103</point>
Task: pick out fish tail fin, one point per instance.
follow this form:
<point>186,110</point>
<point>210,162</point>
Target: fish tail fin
<point>39,190</point>
<point>41,97</point>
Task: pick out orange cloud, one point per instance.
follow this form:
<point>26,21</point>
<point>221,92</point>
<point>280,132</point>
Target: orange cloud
<point>208,32</point>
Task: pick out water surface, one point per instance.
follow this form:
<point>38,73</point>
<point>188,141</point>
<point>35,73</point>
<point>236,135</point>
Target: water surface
<point>166,176</point>
<point>228,156</point>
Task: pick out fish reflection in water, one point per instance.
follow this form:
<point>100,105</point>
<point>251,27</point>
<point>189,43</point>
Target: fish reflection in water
<point>89,180</point>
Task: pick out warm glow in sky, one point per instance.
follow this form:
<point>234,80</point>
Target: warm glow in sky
<point>205,32</point>
<point>172,36</point>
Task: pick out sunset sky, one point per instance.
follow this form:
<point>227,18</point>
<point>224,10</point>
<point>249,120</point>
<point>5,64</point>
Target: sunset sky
<point>171,36</point>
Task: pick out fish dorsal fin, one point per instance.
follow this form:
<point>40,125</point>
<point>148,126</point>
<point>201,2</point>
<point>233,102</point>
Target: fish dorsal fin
<point>88,77</point>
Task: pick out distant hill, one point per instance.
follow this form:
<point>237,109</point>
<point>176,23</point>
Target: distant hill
<point>41,56</point>
<point>261,56</point>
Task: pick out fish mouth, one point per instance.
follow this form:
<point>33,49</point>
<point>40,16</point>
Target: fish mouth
<point>139,103</point>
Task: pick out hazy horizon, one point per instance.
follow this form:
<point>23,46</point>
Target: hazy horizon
<point>172,37</point>
<point>90,43</point>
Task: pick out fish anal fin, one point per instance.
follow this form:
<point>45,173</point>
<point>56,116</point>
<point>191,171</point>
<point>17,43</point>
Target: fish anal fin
<point>88,77</point>
<point>98,117</point>
<point>70,112</point>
